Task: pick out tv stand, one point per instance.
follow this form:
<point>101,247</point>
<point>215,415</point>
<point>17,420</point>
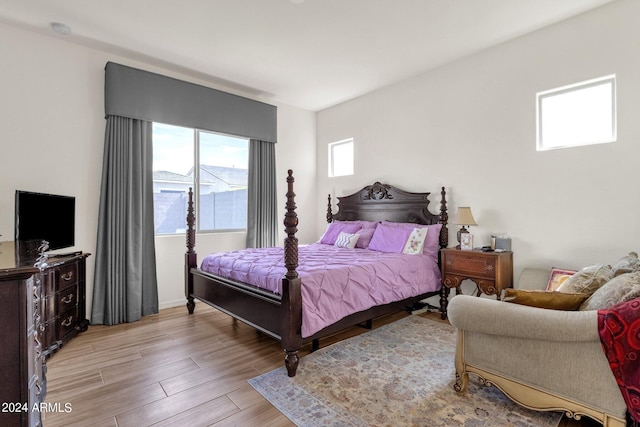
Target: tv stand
<point>64,295</point>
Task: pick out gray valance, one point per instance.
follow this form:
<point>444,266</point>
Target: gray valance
<point>143,95</point>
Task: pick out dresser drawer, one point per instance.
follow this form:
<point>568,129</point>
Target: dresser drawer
<point>68,275</point>
<point>67,299</point>
<point>471,265</point>
<point>67,322</point>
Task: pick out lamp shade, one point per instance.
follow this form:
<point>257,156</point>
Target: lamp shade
<point>464,216</point>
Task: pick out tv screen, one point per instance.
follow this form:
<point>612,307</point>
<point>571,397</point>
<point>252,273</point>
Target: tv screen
<point>47,217</point>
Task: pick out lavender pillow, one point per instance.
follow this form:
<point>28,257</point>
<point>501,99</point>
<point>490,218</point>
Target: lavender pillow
<point>362,223</point>
<point>431,242</point>
<point>388,238</point>
<point>334,229</point>
<point>365,237</point>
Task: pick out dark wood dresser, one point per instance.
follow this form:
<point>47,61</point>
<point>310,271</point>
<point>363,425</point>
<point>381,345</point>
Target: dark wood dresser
<point>22,368</point>
<point>42,306</point>
<point>64,295</point>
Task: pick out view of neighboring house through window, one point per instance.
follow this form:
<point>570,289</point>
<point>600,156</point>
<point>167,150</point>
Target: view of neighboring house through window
<point>341,158</point>
<point>580,114</point>
<point>219,181</point>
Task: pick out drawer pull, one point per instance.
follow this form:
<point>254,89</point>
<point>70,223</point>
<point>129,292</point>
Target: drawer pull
<point>67,299</point>
<point>67,276</point>
<point>67,321</point>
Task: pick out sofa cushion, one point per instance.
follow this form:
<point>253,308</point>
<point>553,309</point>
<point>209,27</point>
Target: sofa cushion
<point>557,277</point>
<point>545,299</point>
<point>627,264</point>
<point>587,280</point>
<point>621,288</point>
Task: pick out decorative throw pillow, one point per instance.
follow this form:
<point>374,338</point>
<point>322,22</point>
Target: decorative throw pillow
<point>334,229</point>
<point>365,237</point>
<point>415,242</point>
<point>626,264</point>
<point>431,242</point>
<point>587,280</point>
<point>346,240</point>
<point>544,299</point>
<point>621,288</point>
<point>387,238</point>
<point>557,277</point>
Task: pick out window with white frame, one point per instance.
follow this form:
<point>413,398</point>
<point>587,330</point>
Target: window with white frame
<point>580,114</point>
<point>220,181</point>
<point>341,158</point>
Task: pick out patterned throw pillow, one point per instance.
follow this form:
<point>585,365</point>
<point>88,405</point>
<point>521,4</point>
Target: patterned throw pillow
<point>621,288</point>
<point>346,240</point>
<point>587,280</point>
<point>334,229</point>
<point>415,242</point>
<point>626,264</point>
<point>557,278</point>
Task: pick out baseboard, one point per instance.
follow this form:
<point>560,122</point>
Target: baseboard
<point>171,304</point>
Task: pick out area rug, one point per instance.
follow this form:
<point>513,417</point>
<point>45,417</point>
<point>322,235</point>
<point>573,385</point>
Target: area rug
<point>401,374</point>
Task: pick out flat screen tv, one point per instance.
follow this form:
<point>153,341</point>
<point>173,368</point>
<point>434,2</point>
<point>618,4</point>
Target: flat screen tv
<point>47,217</point>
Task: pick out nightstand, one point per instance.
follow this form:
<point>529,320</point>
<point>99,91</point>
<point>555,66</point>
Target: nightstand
<point>491,271</point>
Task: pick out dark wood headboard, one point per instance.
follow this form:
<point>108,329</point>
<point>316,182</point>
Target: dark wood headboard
<point>380,202</point>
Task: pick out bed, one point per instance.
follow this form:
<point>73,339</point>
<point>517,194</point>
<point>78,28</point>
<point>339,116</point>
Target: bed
<point>285,292</point>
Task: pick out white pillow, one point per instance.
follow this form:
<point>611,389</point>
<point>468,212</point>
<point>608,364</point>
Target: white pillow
<point>346,240</point>
<point>415,242</point>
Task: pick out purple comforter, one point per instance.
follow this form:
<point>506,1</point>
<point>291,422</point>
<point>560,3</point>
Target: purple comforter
<point>336,282</point>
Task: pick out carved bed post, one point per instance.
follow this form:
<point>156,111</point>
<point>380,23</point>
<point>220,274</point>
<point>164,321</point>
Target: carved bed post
<point>444,219</point>
<point>329,210</point>
<point>444,242</point>
<point>291,286</point>
<point>190,257</point>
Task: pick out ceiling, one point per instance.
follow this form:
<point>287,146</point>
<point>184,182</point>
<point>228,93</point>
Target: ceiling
<point>311,54</point>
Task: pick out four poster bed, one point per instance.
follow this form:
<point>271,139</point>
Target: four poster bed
<point>327,286</point>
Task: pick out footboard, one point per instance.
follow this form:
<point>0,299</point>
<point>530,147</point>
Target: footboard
<point>275,315</point>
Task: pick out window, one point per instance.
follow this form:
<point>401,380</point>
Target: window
<point>579,114</point>
<point>341,158</point>
<point>219,181</point>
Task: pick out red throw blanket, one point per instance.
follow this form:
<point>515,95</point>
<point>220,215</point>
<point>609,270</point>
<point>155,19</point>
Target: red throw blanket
<point>619,329</point>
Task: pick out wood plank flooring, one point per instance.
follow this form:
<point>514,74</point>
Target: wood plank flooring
<point>171,369</point>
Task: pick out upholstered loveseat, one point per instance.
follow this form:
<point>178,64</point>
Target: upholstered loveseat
<point>544,359</point>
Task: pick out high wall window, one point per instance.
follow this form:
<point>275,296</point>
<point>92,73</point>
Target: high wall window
<point>219,181</point>
<point>341,158</point>
<point>580,114</point>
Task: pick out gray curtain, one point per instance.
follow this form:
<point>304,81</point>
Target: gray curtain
<point>125,285</point>
<point>262,209</point>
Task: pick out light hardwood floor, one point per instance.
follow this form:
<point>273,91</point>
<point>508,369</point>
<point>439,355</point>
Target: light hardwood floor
<point>171,369</point>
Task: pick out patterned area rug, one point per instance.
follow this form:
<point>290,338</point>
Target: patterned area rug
<point>401,374</point>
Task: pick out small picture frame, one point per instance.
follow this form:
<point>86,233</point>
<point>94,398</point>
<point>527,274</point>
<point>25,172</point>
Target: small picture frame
<point>466,241</point>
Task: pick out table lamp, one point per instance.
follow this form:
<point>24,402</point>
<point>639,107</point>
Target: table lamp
<point>463,217</point>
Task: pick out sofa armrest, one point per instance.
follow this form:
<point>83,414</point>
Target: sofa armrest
<point>533,278</point>
<point>493,317</point>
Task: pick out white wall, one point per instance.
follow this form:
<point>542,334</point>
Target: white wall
<point>52,137</point>
<point>470,126</point>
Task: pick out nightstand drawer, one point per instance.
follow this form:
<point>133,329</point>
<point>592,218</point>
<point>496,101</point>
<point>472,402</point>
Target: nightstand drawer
<point>475,266</point>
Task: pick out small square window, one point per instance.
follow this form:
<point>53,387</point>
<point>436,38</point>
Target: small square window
<point>580,114</point>
<point>341,158</point>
